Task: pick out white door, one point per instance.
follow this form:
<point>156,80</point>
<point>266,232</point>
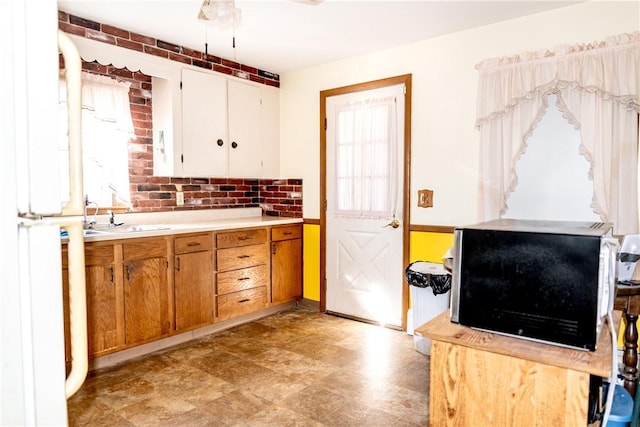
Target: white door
<point>365,140</point>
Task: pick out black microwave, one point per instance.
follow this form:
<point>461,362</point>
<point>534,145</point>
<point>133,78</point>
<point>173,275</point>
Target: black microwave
<point>548,281</point>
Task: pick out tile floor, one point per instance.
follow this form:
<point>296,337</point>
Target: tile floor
<point>295,368</point>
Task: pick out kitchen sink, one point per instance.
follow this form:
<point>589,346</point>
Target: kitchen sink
<point>138,228</point>
<point>90,232</point>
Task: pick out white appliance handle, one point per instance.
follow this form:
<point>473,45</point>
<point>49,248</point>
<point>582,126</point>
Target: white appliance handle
<point>77,308</point>
<point>75,207</point>
<point>73,77</point>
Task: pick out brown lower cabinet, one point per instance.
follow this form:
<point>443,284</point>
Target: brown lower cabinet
<point>286,263</point>
<point>242,259</point>
<point>146,306</point>
<point>102,299</point>
<point>193,281</point>
<point>132,299</point>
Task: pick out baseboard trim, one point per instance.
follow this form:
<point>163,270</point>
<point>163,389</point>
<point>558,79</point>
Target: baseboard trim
<point>360,319</point>
<point>309,304</point>
<point>164,343</point>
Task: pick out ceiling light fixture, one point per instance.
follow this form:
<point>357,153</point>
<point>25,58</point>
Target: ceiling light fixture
<point>221,13</point>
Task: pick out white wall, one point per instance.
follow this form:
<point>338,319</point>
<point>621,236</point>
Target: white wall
<point>553,177</point>
<point>444,140</point>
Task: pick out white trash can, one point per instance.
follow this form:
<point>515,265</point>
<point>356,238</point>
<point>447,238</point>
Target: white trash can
<point>429,285</point>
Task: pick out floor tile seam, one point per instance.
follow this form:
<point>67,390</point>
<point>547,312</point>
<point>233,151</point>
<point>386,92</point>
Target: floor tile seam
<point>278,406</point>
<point>283,371</point>
<point>243,418</point>
<point>298,358</point>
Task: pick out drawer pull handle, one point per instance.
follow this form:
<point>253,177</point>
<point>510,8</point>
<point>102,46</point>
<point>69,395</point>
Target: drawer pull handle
<point>244,278</point>
<point>243,238</point>
<point>244,256</point>
<point>245,300</point>
<point>288,233</point>
<point>193,244</point>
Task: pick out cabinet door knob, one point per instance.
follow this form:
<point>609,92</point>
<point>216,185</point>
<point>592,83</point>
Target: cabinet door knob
<point>234,144</point>
<point>219,142</point>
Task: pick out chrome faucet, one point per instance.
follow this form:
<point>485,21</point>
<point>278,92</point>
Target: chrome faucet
<point>112,220</point>
<point>86,224</point>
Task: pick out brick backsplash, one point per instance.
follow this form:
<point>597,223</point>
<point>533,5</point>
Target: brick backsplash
<point>276,197</point>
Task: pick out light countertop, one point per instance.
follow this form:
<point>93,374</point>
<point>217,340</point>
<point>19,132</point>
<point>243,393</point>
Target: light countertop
<point>167,223</point>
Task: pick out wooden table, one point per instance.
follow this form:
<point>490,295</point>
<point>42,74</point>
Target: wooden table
<point>481,379</point>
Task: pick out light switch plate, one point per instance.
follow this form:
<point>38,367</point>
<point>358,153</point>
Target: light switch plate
<point>179,198</point>
<point>425,198</point>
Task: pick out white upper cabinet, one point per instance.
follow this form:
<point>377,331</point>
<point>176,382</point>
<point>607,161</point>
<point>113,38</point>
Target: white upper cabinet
<point>270,126</point>
<point>245,135</point>
<point>205,141</point>
<point>225,127</point>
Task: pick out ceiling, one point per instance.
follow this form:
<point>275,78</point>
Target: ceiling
<point>283,35</point>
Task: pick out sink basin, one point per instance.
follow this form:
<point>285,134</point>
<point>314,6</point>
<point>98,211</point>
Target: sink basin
<point>90,232</point>
<point>137,228</point>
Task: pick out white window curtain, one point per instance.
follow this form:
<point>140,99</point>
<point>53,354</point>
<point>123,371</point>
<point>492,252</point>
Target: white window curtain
<point>107,127</point>
<point>598,91</point>
<point>366,159</point>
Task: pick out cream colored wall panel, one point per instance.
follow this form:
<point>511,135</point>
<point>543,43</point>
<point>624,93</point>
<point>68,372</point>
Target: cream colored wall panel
<point>444,139</point>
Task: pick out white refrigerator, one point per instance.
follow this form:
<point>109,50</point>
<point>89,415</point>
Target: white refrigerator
<point>34,385</point>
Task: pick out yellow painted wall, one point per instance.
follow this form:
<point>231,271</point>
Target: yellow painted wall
<point>311,262</point>
<point>429,246</point>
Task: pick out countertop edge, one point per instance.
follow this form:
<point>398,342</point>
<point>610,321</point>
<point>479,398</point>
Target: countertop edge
<point>187,227</point>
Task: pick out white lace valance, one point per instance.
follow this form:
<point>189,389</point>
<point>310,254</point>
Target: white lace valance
<point>611,68</point>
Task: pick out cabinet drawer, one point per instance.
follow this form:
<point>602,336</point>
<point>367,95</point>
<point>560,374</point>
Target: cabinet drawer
<point>192,243</point>
<point>239,280</point>
<point>144,249</point>
<point>242,257</point>
<point>286,232</point>
<point>237,303</point>
<point>241,238</point>
<point>93,255</point>
<point>98,255</point>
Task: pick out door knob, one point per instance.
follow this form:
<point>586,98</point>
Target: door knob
<point>393,224</point>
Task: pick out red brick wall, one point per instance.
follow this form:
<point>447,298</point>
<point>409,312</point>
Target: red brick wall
<point>153,194</point>
<point>126,39</point>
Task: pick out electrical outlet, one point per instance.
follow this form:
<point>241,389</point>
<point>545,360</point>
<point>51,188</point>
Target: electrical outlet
<point>179,198</point>
<point>425,198</point>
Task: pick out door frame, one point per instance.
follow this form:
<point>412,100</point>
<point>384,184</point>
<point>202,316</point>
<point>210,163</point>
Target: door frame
<point>406,195</point>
